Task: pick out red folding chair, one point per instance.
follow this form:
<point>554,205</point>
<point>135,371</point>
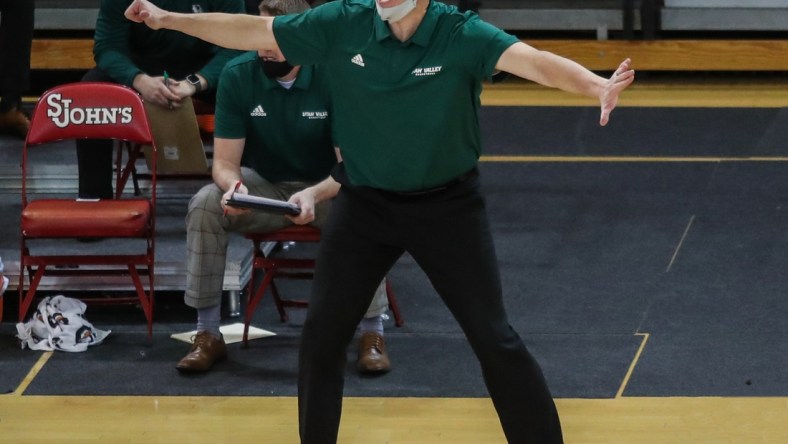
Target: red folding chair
<point>88,110</point>
<point>288,268</point>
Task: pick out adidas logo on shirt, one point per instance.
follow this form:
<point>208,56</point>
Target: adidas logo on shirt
<point>258,112</point>
<point>358,60</point>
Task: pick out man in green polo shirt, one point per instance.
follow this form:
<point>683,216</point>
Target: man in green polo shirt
<point>406,80</point>
<point>273,130</point>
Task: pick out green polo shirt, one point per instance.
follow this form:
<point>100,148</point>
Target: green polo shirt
<point>406,113</point>
<point>287,131</point>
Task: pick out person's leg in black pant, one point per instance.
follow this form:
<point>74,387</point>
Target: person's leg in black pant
<point>94,157</point>
<point>351,262</point>
<point>450,239</point>
<point>16,38</point>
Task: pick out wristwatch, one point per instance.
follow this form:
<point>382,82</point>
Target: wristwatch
<point>194,80</point>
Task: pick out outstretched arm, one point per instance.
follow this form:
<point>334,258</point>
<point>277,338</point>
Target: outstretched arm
<point>234,31</point>
<point>555,71</point>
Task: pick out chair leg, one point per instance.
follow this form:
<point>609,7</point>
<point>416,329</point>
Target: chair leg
<point>134,154</point>
<point>249,296</point>
<point>146,300</point>
<point>26,298</point>
<point>120,182</point>
<point>252,302</point>
<point>280,306</point>
<point>398,321</point>
<point>130,170</point>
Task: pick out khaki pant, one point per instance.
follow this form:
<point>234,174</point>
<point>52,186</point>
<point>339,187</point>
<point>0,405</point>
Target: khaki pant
<point>207,235</point>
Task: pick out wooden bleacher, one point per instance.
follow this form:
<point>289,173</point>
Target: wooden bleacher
<point>648,55</point>
<point>64,35</point>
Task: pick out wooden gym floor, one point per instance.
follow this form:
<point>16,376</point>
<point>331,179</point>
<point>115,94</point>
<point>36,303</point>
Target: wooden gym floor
<point>621,419</point>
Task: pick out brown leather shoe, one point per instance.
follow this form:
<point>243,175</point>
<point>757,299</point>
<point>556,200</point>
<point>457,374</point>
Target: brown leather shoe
<point>206,350</point>
<point>372,356</point>
<point>14,122</point>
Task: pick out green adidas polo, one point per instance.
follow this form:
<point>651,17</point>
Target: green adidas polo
<point>288,132</point>
<point>406,113</point>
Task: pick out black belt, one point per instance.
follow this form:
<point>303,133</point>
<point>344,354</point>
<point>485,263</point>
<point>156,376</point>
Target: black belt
<point>473,172</point>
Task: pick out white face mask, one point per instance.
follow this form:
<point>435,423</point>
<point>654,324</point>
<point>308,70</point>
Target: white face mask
<point>396,13</point>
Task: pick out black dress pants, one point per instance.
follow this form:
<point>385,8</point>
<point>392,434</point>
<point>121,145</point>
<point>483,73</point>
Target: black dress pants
<point>16,39</point>
<point>94,157</point>
<point>448,235</point>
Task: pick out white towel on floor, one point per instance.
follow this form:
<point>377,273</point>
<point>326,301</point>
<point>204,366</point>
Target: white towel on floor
<point>58,324</point>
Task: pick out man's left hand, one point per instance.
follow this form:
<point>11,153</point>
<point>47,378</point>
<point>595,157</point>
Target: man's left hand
<point>619,81</point>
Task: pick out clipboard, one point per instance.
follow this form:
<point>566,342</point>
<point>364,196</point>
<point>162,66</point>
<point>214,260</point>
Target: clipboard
<point>263,204</point>
<point>180,149</point>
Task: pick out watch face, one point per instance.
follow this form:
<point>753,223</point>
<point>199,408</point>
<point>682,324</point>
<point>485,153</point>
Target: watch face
<point>194,80</point>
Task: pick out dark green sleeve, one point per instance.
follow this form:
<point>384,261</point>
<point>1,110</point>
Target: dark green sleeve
<point>484,44</point>
<point>213,68</point>
<point>230,120</point>
<point>111,42</point>
<point>307,38</point>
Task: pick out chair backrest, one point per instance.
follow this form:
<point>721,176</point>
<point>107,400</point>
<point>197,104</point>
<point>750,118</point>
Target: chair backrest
<point>90,110</point>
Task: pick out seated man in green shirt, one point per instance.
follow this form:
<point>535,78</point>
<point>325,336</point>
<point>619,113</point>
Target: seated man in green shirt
<point>272,119</point>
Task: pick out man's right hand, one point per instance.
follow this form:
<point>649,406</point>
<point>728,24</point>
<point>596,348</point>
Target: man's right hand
<point>143,11</point>
<point>304,199</point>
<point>239,188</point>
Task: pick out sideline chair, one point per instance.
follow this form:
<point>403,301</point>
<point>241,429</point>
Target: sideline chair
<point>288,268</point>
<point>88,110</point>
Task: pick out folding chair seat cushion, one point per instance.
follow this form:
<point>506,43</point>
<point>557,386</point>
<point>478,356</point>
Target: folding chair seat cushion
<point>57,218</point>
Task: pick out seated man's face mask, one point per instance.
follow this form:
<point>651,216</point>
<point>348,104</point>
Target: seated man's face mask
<point>396,13</point>
<point>274,69</point>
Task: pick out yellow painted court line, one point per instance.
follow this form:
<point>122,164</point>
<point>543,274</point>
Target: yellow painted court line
<point>710,94</point>
<point>578,159</point>
<point>31,375</point>
<point>632,365</point>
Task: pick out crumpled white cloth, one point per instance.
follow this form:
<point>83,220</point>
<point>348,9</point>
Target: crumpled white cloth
<point>58,324</point>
